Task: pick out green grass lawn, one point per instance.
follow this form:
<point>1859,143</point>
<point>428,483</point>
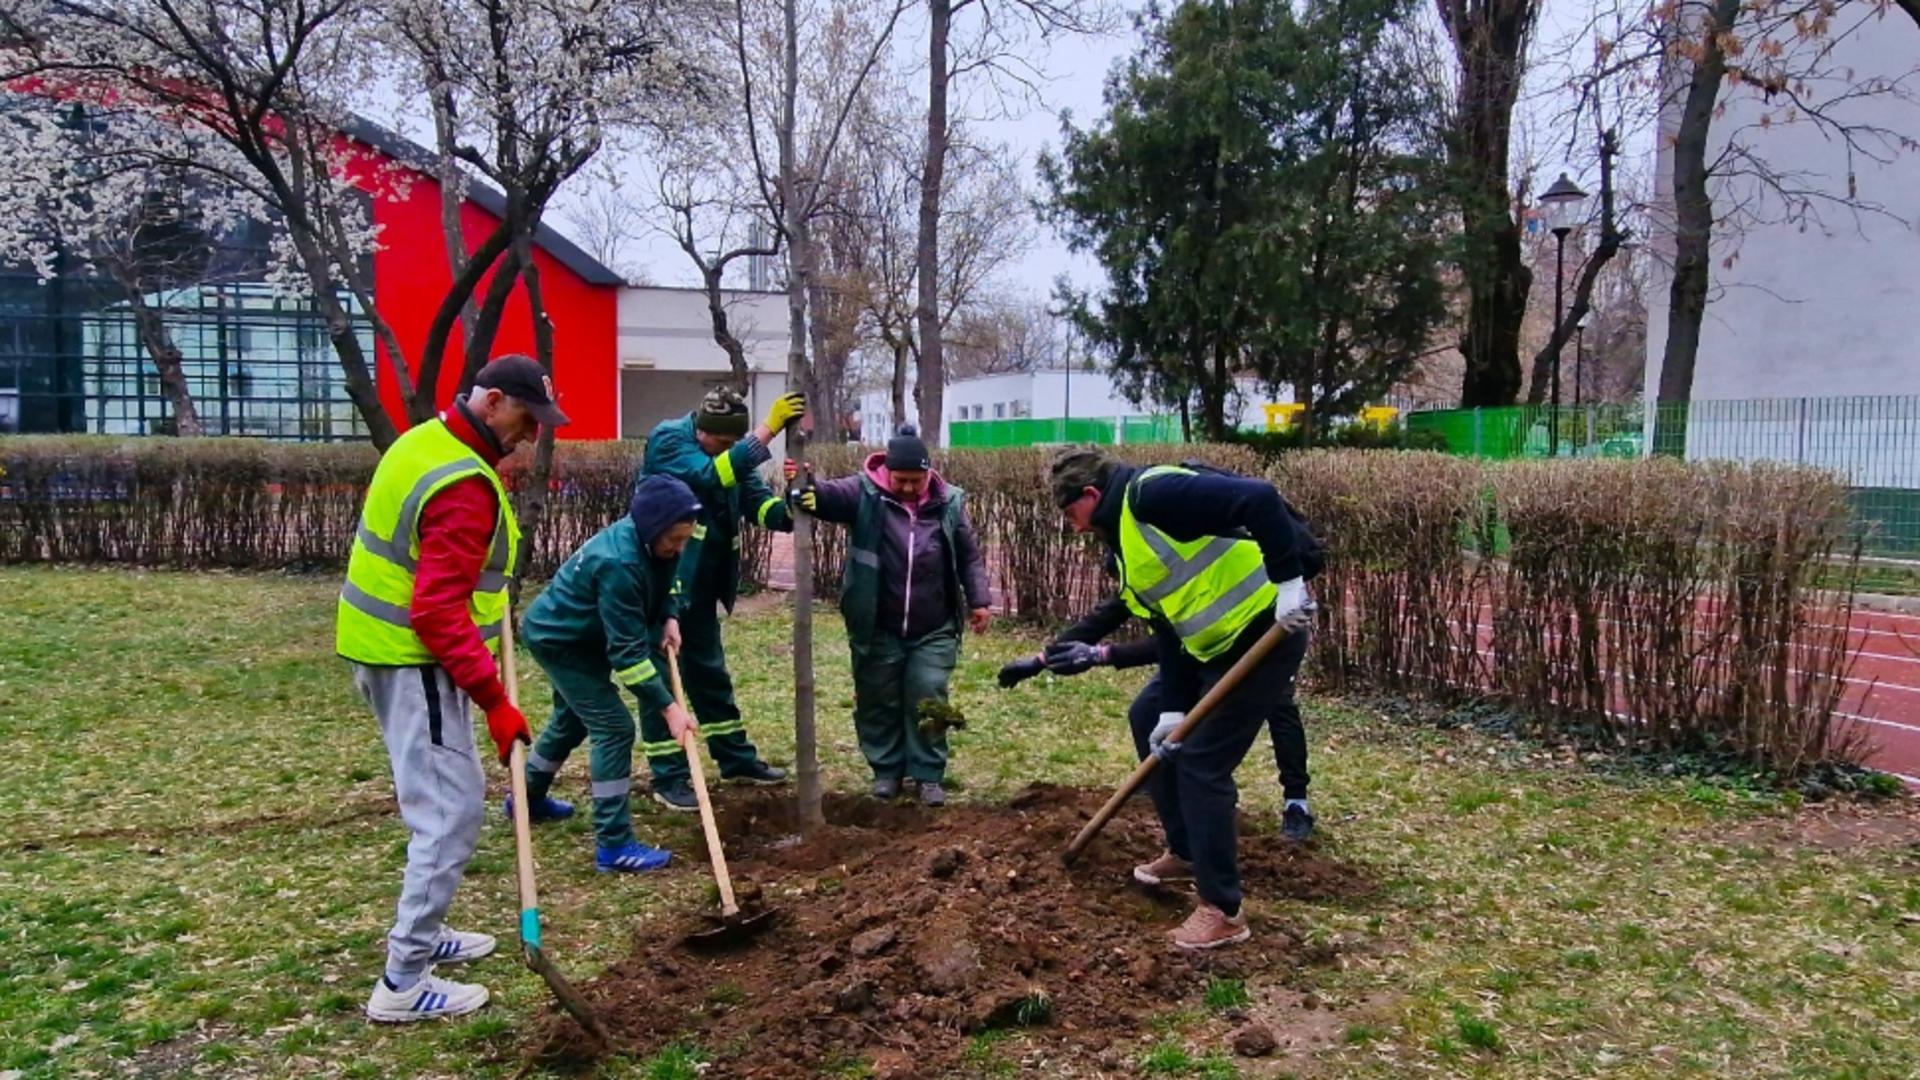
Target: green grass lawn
<point>198,863</point>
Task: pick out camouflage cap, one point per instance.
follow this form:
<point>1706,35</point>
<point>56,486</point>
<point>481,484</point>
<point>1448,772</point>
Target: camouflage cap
<point>723,412</point>
<point>1076,468</point>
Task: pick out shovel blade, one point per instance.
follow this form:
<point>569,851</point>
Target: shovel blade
<point>730,931</point>
<point>569,998</point>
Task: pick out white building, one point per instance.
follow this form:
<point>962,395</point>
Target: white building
<point>1823,307</point>
<point>1052,394</point>
<point>669,360</point>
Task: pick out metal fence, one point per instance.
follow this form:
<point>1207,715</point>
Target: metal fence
<point>1872,442</point>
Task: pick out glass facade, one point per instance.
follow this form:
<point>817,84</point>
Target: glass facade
<point>256,364</point>
<point>72,359</point>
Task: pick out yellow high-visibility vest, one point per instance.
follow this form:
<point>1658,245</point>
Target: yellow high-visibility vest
<point>373,625</point>
<point>1208,590</point>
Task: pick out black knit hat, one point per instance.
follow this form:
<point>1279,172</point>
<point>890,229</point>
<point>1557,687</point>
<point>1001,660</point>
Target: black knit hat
<point>1077,468</point>
<point>722,412</point>
<point>907,452</point>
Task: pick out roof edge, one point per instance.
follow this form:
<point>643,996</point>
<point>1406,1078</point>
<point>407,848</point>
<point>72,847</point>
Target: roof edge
<point>411,154</point>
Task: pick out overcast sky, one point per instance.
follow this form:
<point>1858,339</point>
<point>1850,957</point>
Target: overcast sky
<point>1076,68</point>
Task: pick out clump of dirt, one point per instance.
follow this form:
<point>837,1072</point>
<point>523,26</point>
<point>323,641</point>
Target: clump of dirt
<point>905,930</point>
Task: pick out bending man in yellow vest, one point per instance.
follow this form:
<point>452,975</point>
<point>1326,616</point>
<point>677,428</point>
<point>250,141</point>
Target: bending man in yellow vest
<point>419,617</point>
<point>1211,560</point>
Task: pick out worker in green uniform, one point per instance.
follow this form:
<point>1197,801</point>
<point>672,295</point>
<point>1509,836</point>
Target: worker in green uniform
<point>712,451</point>
<point>604,623</point>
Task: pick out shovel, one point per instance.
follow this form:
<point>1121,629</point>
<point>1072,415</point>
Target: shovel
<point>1247,662</point>
<point>731,926</point>
<point>530,950</point>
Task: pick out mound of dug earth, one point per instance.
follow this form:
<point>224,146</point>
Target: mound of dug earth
<point>904,931</point>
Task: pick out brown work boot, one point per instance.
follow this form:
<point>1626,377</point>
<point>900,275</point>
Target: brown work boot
<point>1164,870</point>
<point>1209,928</point>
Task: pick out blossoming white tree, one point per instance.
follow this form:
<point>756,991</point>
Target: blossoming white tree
<point>99,192</point>
<point>527,91</point>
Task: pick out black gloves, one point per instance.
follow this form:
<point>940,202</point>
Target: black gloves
<point>1020,671</point>
<point>1073,657</point>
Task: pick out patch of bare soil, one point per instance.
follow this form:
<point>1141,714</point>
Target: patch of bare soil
<point>904,931</point>
<point>1839,827</point>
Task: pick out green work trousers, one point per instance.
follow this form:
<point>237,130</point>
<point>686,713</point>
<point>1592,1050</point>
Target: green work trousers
<point>709,690</point>
<point>587,703</point>
<point>892,675</point>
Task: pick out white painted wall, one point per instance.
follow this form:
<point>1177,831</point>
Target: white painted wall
<point>1820,309</point>
<point>1044,395</point>
<point>666,329</point>
<point>668,358</point>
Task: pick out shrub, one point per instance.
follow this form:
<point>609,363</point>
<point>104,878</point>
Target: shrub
<point>1694,599</point>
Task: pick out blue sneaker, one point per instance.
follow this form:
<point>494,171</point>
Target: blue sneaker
<point>631,858</point>
<point>544,808</point>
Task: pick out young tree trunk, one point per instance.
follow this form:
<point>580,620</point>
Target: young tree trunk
<point>346,345</point>
<point>451,197</point>
<point>722,329</point>
<point>796,205</point>
<point>932,368</point>
<point>829,363</point>
<point>165,355</point>
<point>1693,232</point>
<point>900,352</point>
<point>531,501</point>
<point>425,401</point>
<point>479,347</point>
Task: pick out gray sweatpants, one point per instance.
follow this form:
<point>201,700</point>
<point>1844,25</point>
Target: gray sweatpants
<point>426,722</point>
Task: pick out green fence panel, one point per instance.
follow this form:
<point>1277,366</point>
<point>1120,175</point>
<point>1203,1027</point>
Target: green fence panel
<point>1871,442</point>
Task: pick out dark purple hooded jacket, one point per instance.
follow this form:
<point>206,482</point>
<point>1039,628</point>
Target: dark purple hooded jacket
<point>915,593</point>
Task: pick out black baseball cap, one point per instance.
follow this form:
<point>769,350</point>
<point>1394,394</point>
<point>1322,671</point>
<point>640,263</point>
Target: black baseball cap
<point>521,377</point>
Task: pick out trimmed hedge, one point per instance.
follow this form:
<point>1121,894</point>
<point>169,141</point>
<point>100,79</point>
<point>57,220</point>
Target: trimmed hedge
<point>247,504</point>
<point>1579,593</point>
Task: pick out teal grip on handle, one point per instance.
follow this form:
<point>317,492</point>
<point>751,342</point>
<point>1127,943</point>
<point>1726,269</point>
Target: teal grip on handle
<point>530,928</point>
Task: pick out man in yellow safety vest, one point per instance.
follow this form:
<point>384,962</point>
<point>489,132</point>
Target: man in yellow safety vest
<point>1211,560</point>
<point>419,617</point>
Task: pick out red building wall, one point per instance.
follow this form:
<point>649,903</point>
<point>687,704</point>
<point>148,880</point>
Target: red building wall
<point>411,276</point>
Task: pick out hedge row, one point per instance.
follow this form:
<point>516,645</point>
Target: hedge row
<point>1579,593</point>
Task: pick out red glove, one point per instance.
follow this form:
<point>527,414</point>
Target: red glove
<point>506,723</point>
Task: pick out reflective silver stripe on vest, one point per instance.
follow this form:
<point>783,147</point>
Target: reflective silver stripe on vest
<point>1180,571</point>
<point>864,557</point>
<point>366,604</point>
<point>1223,604</point>
<point>394,553</point>
<point>410,509</point>
<point>499,559</point>
<point>398,550</point>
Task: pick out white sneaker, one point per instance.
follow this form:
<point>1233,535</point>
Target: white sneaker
<point>455,947</point>
<point>429,999</point>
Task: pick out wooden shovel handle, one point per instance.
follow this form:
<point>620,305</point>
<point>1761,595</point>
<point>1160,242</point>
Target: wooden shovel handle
<point>691,745</point>
<point>1247,662</point>
<point>517,778</point>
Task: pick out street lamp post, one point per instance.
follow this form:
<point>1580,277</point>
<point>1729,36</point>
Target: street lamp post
<point>1579,355</point>
<point>1564,203</point>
